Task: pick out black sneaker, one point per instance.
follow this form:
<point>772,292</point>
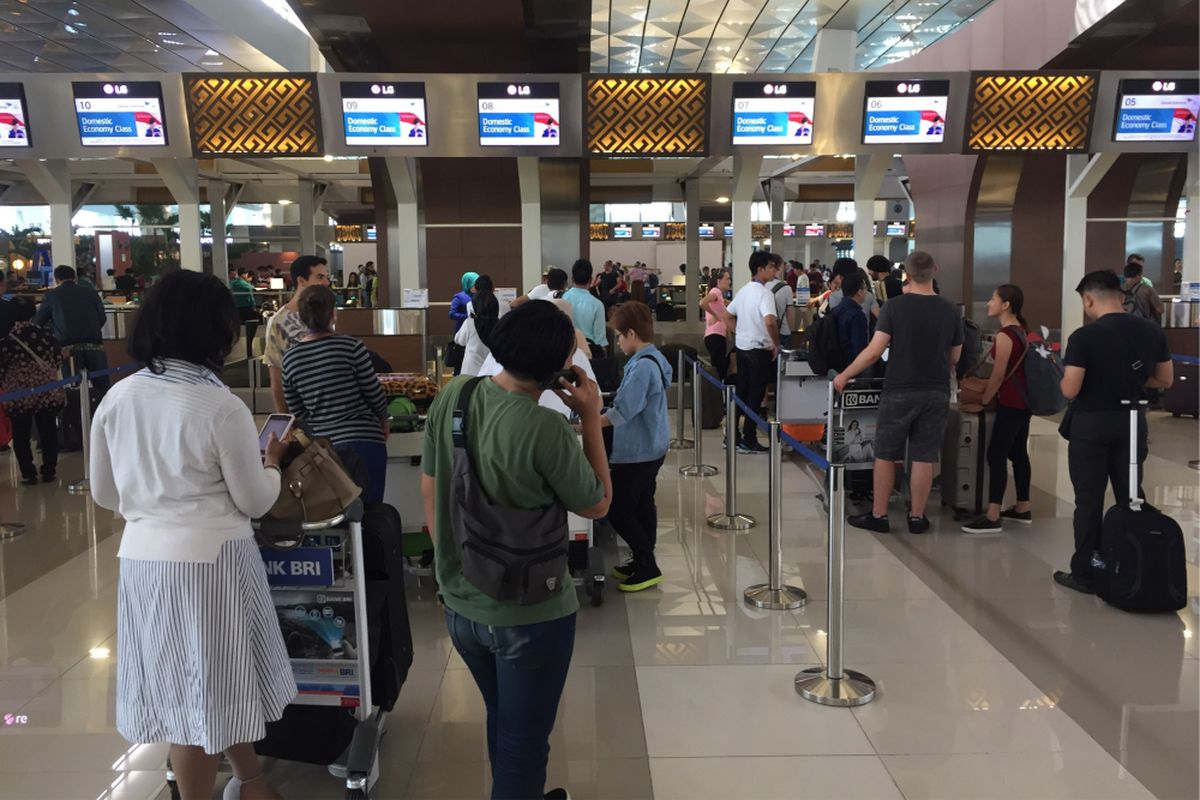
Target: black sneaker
<point>557,794</point>
<point>624,570</point>
<point>1071,581</point>
<point>642,578</point>
<point>918,524</point>
<point>30,481</point>
<point>49,477</point>
<point>870,522</point>
<point>982,525</point>
<point>753,448</point>
<point>1012,515</point>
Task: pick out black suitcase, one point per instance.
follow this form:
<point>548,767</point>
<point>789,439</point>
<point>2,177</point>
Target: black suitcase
<point>1144,567</point>
<point>1183,398</point>
<point>964,477</point>
<point>664,312</point>
<point>712,404</point>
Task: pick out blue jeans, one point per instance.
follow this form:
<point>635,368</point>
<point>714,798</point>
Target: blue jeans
<point>374,458</point>
<point>520,671</point>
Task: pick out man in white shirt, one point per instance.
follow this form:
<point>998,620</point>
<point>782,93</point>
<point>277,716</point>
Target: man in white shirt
<point>756,337</point>
<point>553,284</point>
<point>284,328</point>
<point>783,295</point>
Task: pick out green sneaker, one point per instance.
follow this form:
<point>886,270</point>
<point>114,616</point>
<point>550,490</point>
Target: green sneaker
<point>641,579</point>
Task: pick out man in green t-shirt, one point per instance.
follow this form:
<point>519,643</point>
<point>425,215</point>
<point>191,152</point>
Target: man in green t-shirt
<point>523,456</point>
<point>243,294</point>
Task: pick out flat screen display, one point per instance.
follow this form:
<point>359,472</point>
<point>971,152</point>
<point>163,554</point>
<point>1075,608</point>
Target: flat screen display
<point>728,231</point>
<point>113,114</point>
<point>622,232</point>
<point>706,230</point>
<point>814,230</point>
<point>905,112</point>
<point>14,121</point>
<point>518,114</point>
<point>375,113</point>
<point>789,230</point>
<point>773,113</point>
<point>897,229</point>
<point>651,232</point>
<point>1157,110</point>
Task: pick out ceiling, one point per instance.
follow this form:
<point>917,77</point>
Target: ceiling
<point>768,36</point>
<point>118,36</point>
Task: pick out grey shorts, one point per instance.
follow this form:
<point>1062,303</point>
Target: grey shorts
<point>916,417</point>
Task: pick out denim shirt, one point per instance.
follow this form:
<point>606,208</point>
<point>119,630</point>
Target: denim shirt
<point>641,428</point>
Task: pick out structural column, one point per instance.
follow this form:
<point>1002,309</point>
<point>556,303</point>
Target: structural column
<point>222,198</point>
<point>403,242</point>
<point>777,196</point>
<point>869,171</point>
<point>182,181</point>
<point>1191,233</point>
<point>1083,175</point>
<point>531,222</point>
<point>53,182</point>
<point>834,50</point>
<point>745,181</point>
<point>312,194</point>
<point>691,199</point>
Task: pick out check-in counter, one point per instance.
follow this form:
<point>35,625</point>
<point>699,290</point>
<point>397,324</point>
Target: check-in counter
<point>118,323</point>
<point>396,334</point>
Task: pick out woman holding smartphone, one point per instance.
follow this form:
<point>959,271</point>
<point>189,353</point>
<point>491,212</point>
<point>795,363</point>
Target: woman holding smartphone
<point>201,663</point>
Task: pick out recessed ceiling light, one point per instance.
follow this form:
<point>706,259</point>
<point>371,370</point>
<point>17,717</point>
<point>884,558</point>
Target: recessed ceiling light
<point>99,652</point>
<point>722,199</point>
<point>211,52</point>
<point>285,202</point>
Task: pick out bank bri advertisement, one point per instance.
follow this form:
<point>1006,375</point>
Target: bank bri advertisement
<point>773,113</point>
<point>119,114</point>
<point>905,112</point>
<point>1157,110</point>
<point>521,114</point>
<point>375,113</point>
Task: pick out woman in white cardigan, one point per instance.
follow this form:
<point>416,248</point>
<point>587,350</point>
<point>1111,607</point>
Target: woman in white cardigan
<point>476,332</point>
<point>201,661</point>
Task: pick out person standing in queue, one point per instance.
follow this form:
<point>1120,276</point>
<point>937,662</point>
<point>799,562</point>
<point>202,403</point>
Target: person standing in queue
<point>717,323</point>
<point>475,336</point>
<point>1010,431</point>
<point>285,327</point>
<point>641,433</point>
<point>201,663</point>
<point>756,337</point>
<point>460,304</point>
<point>524,457</point>
<point>330,384</point>
<point>242,287</point>
<point>589,312</point>
<point>1115,357</point>
<point>29,357</point>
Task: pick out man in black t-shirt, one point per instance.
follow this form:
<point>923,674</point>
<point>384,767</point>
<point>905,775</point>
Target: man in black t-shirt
<point>1113,359</point>
<point>606,283</point>
<point>926,335</point>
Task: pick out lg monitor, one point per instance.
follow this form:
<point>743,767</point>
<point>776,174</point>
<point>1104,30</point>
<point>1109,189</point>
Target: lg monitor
<point>897,229</point>
<point>14,119</point>
<point>814,230</point>
<point>622,232</point>
<point>905,112</point>
<point>773,113</point>
<point>789,230</point>
<point>706,231</point>
<point>651,231</point>
<point>111,114</point>
<point>518,114</point>
<point>1159,110</point>
<point>728,231</point>
<point>376,113</point>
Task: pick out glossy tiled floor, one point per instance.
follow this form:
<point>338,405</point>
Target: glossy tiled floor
<point>994,683</point>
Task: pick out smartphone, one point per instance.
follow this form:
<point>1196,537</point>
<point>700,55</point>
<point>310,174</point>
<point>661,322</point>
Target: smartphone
<point>278,424</point>
<point>552,381</point>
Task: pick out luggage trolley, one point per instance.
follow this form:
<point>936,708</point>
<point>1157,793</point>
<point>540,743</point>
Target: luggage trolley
<point>318,588</point>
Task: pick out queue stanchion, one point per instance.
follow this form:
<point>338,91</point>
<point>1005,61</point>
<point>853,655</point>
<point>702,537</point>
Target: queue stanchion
<point>833,685</point>
<point>697,469</point>
<point>85,431</point>
<point>731,520</point>
<point>680,442</point>
<point>775,594</point>
<point>439,366</point>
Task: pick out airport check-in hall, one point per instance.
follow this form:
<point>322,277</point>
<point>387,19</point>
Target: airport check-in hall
<point>599,399</point>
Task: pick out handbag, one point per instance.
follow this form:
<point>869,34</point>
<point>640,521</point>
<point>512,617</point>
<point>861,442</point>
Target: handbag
<point>972,388</point>
<point>314,485</point>
<point>453,355</point>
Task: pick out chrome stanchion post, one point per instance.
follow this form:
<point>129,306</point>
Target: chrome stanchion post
<point>834,685</point>
<point>731,520</point>
<point>698,469</point>
<point>680,442</point>
<point>85,430</point>
<point>775,594</point>
<point>438,366</point>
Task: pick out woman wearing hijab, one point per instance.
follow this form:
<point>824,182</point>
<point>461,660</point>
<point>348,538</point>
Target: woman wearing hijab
<point>476,332</point>
<point>460,305</point>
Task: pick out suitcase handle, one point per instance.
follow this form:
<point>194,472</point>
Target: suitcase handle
<point>1135,500</point>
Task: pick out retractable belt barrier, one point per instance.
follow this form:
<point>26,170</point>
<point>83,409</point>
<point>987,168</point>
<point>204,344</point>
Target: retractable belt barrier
<point>1185,359</point>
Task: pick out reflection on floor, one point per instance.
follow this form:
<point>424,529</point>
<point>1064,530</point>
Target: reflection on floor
<point>994,683</point>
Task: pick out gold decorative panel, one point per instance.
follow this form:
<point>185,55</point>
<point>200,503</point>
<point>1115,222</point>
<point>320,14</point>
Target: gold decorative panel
<point>1031,111</point>
<point>839,230</point>
<point>598,231</point>
<point>253,115</point>
<point>350,233</point>
<point>675,231</point>
<point>647,116</point>
<point>760,230</point>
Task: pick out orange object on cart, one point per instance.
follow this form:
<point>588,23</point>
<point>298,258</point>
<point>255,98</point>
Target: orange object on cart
<point>805,433</point>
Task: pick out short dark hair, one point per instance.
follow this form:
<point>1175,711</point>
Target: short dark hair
<point>852,284</point>
<point>758,260</point>
<point>21,309</point>
<point>845,267</point>
<point>581,272</point>
<point>920,266</point>
<point>636,317</point>
<point>316,307</point>
<point>1101,281</point>
<point>556,279</point>
<point>303,266</point>
<point>186,315</point>
<point>877,264</point>
<point>245,271</point>
<point>64,273</point>
<point>533,341</point>
<point>1133,269</point>
<point>1135,257</point>
<point>776,259</point>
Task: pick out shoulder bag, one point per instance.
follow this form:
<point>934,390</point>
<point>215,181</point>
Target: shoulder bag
<point>971,388</point>
<point>314,484</point>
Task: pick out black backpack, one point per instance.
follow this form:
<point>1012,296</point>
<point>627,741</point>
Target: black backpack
<point>824,347</point>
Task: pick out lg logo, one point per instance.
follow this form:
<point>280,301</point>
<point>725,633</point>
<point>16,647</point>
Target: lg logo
<point>382,89</point>
<point>908,88</point>
<point>517,90</point>
<point>1163,86</point>
<point>775,89</point>
<point>116,88</point>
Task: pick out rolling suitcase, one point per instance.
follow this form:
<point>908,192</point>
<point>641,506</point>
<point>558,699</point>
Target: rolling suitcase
<point>390,637</point>
<point>1183,398</point>
<point>964,460</point>
<point>1142,561</point>
<point>664,312</point>
<point>712,406</point>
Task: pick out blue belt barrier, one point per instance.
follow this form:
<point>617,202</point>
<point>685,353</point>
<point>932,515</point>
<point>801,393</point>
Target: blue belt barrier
<point>817,459</point>
<point>1185,359</point>
<point>21,394</point>
<point>705,373</point>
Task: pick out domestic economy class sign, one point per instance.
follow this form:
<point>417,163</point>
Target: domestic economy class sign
<point>773,113</point>
<point>518,114</point>
<point>905,112</point>
<point>384,114</point>
<point>1157,110</point>
<point>113,114</point>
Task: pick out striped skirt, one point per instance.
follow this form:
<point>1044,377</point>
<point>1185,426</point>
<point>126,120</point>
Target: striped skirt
<point>200,659</point>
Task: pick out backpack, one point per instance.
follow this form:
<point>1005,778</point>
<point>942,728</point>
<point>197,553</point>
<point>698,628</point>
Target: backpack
<point>1043,379</point>
<point>1132,306</point>
<point>824,346</point>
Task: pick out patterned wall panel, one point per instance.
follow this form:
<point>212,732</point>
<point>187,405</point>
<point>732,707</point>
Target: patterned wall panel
<point>598,231</point>
<point>675,231</point>
<point>647,116</point>
<point>760,230</point>
<point>253,115</point>
<point>1031,111</point>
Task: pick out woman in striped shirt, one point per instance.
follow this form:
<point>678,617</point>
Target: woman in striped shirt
<point>329,383</point>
